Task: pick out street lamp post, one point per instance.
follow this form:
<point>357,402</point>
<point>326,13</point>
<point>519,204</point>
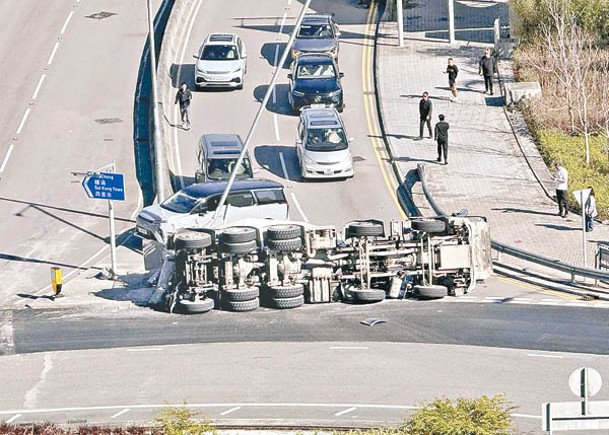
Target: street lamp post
<point>400,10</point>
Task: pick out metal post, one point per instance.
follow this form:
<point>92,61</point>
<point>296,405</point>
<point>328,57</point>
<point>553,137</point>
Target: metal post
<point>112,238</point>
<point>583,205</point>
<point>451,21</point>
<point>496,32</point>
<point>157,141</point>
<point>400,10</point>
<point>262,108</point>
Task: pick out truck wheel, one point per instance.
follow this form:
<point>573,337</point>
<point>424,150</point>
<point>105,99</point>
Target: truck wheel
<point>285,291</point>
<point>246,294</point>
<point>285,303</point>
<point>429,225</point>
<point>186,306</point>
<point>359,229</point>
<point>430,292</point>
<point>283,232</point>
<point>191,239</point>
<point>238,248</point>
<point>238,235</point>
<point>294,244</point>
<point>241,306</point>
<point>368,295</point>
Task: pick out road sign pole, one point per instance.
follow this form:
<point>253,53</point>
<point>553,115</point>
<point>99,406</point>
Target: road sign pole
<point>451,21</point>
<point>400,11</point>
<point>112,238</point>
<point>583,206</point>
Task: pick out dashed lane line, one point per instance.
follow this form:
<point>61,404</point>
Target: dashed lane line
<point>8,155</point>
<point>119,413</point>
<point>52,56</point>
<point>297,204</point>
<point>345,411</point>
<point>65,25</point>
<point>228,411</point>
<point>24,119</point>
<point>38,86</point>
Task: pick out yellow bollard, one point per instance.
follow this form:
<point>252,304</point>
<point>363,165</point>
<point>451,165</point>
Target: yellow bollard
<point>56,278</point>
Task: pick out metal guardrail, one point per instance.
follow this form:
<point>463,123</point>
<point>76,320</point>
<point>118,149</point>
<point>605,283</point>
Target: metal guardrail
<point>516,252</point>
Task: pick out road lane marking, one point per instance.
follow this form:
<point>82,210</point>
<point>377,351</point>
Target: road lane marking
<point>13,418</point>
<point>42,77</point>
<point>228,411</point>
<point>283,167</point>
<point>536,417</point>
<point>144,349</point>
<point>119,413</point>
<point>65,25</point>
<point>8,155</point>
<point>22,123</point>
<point>297,204</point>
<point>576,304</point>
<point>538,355</point>
<point>349,347</point>
<point>285,15</point>
<point>345,411</point>
<point>52,56</point>
<point>276,124</point>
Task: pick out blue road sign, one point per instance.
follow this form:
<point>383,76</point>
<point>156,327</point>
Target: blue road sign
<point>105,185</point>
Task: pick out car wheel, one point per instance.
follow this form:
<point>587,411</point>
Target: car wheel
<point>285,303</point>
<point>429,225</point>
<point>366,228</point>
<point>294,244</point>
<point>191,239</point>
<point>241,306</point>
<point>238,235</point>
<point>368,295</point>
<point>430,292</point>
<point>246,294</point>
<point>283,232</point>
<point>199,306</point>
<point>285,291</point>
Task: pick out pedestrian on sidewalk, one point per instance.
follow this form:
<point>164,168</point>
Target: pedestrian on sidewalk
<point>183,97</point>
<point>441,136</point>
<point>561,178</point>
<point>487,68</point>
<point>452,70</point>
<point>425,109</point>
<point>591,212</point>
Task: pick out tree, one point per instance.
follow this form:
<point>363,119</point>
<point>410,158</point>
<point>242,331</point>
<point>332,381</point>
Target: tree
<point>464,416</point>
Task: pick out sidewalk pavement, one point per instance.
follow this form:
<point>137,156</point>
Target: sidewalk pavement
<point>490,172</point>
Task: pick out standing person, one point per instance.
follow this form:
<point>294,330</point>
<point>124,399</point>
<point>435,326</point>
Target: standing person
<point>441,135</point>
<point>452,72</point>
<point>591,212</point>
<point>561,178</point>
<point>183,97</point>
<point>425,109</point>
<point>487,68</point>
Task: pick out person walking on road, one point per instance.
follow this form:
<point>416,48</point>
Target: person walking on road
<point>183,97</point>
<point>561,178</point>
<point>591,212</point>
<point>425,109</point>
<point>441,136</point>
<point>452,72</point>
<point>487,68</point>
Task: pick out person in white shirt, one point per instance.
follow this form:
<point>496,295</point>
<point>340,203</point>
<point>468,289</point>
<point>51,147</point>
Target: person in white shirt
<point>591,212</point>
<point>561,178</point>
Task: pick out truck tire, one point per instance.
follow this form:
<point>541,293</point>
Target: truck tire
<point>191,239</point>
<point>238,248</point>
<point>238,235</point>
<point>368,295</point>
<point>429,225</point>
<point>360,229</point>
<point>430,292</point>
<point>240,306</point>
<point>285,291</point>
<point>285,303</point>
<point>294,244</point>
<point>283,232</point>
<point>246,294</point>
<point>186,306</point>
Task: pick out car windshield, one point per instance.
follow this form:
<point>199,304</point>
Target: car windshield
<point>325,70</point>
<point>326,139</point>
<point>315,31</point>
<point>219,52</point>
<point>179,202</point>
<point>220,169</point>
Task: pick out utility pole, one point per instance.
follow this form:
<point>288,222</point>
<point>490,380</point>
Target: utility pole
<point>451,21</point>
<point>400,8</point>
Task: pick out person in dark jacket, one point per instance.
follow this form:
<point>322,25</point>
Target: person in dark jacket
<point>183,97</point>
<point>425,109</point>
<point>487,68</point>
<point>441,136</point>
<point>452,71</point>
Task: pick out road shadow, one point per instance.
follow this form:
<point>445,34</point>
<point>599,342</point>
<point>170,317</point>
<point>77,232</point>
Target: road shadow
<point>522,210</point>
<point>269,157</point>
<point>280,104</point>
<point>131,287</point>
<point>183,73</point>
<point>35,297</point>
<point>402,136</point>
<point>558,227</point>
<point>272,52</point>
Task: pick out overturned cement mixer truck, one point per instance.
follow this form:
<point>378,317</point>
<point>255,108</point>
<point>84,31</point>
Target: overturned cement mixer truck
<point>285,264</point>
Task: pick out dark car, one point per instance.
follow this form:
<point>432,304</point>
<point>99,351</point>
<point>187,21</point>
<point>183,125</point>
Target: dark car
<point>315,79</point>
<point>318,33</point>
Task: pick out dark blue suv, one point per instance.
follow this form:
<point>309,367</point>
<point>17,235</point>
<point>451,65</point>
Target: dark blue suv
<point>315,79</point>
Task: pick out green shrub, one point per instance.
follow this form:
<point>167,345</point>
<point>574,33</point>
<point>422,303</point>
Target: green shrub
<point>180,421</point>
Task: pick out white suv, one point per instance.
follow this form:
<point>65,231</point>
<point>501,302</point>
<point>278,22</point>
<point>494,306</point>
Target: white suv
<point>221,62</point>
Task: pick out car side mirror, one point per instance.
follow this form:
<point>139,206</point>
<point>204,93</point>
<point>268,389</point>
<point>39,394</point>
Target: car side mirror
<point>341,75</point>
<point>290,76</point>
<point>196,55</point>
<point>351,139</point>
<point>298,141</point>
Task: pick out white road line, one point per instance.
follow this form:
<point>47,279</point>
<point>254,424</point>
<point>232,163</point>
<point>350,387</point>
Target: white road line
<point>345,411</point>
<point>549,303</point>
<point>283,168</point>
<point>493,299</point>
<point>550,300</point>
<point>514,301</point>
<point>537,355</point>
<point>576,304</point>
<point>276,124</point>
<point>285,15</point>
<point>42,77</point>
<point>13,418</point>
<point>304,218</point>
<point>65,25</point>
<point>50,61</point>
<point>144,349</point>
<point>120,412</point>
<point>537,417</point>
<point>22,123</point>
<point>8,155</point>
<point>522,299</point>
<point>348,347</point>
<point>228,411</point>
